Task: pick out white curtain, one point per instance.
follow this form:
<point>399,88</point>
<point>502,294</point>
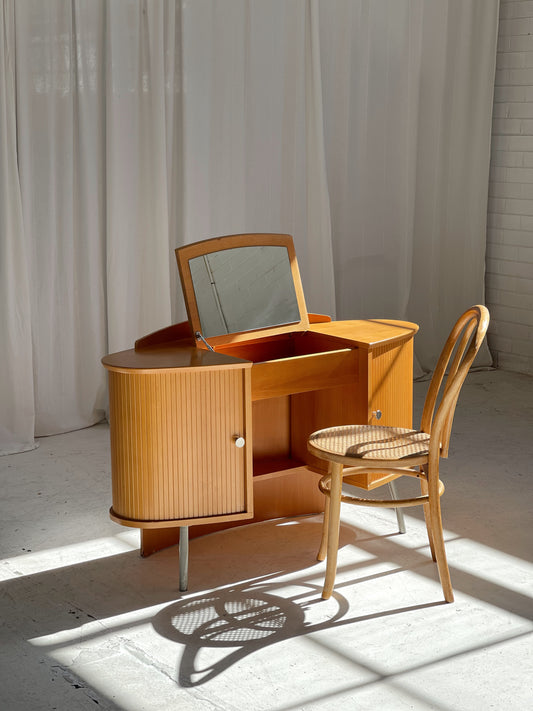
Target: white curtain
<point>17,411</point>
<point>408,90</point>
<point>133,126</point>
<point>96,122</point>
<point>253,130</point>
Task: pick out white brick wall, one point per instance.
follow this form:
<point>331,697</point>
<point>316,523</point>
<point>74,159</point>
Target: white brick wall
<point>509,279</point>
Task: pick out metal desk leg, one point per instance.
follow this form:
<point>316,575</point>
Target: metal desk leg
<point>399,512</point>
<point>184,558</point>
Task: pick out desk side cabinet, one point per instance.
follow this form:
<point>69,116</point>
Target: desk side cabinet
<point>181,446</point>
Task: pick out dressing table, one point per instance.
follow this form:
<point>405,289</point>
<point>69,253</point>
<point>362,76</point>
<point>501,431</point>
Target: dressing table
<point>209,418</point>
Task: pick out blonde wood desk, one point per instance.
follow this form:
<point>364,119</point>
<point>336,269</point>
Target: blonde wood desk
<point>215,439</point>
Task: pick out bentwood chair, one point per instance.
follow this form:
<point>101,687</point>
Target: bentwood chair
<point>396,451</point>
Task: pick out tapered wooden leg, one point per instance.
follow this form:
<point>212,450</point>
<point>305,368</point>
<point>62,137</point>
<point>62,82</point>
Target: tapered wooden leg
<point>333,529</point>
<point>427,517</point>
<point>440,551</point>
<point>324,541</point>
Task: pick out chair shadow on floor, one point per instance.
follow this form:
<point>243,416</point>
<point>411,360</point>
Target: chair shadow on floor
<point>218,628</point>
<point>244,619</point>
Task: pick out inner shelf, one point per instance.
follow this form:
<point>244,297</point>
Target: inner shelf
<point>276,466</point>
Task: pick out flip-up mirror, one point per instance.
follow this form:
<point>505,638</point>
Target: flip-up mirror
<point>242,286</point>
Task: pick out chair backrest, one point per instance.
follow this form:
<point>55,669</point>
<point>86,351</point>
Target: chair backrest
<point>463,344</point>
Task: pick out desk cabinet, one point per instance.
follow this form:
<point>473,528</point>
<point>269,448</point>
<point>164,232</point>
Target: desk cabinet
<point>174,445</point>
<point>176,410</point>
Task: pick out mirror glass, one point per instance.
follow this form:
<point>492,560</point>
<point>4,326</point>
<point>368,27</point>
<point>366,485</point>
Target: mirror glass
<point>243,289</point>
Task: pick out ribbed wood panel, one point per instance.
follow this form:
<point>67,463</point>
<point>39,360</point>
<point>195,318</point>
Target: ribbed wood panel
<point>391,384</point>
<point>172,443</point>
<point>390,389</point>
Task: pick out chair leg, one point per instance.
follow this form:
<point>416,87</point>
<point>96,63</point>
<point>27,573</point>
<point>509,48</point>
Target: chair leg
<point>333,529</point>
<point>427,518</point>
<point>440,551</point>
<point>399,513</point>
<point>324,541</point>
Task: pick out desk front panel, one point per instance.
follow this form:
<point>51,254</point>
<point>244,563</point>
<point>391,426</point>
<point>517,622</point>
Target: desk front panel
<point>304,373</point>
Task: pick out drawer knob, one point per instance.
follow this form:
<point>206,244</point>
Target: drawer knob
<point>239,441</point>
<point>377,414</point>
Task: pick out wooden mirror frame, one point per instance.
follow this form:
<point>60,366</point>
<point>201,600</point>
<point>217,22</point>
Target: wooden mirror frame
<point>217,244</point>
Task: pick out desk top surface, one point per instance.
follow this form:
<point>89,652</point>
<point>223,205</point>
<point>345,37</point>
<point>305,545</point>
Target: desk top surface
<point>170,356</point>
<point>183,353</point>
<point>367,332</point>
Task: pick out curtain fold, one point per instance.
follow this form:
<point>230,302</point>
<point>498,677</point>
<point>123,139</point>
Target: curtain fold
<point>128,128</point>
<point>143,113</point>
<point>371,70</point>
<point>17,413</point>
<point>60,152</point>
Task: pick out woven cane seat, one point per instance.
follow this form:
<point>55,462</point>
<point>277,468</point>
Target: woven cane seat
<point>371,442</point>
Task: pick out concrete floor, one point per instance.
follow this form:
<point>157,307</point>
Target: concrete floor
<point>87,623</point>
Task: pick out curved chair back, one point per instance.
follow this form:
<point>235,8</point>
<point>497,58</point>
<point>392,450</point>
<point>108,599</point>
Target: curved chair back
<point>463,343</point>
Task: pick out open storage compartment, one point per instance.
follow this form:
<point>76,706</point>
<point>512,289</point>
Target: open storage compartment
<point>295,362</point>
<point>273,446</point>
<point>287,345</point>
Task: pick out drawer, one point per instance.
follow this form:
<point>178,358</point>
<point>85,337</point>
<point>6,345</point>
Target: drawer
<point>303,373</point>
